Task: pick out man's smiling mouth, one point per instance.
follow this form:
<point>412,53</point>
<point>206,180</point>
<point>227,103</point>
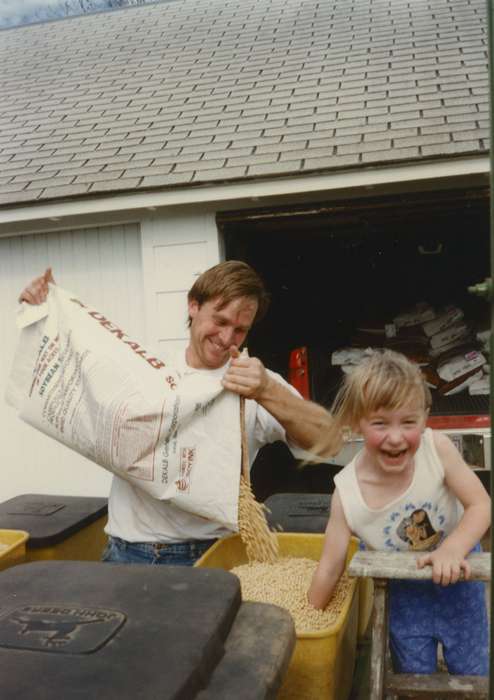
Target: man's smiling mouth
<point>218,348</point>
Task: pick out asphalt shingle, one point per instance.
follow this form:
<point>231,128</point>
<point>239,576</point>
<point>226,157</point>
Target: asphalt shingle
<point>197,91</point>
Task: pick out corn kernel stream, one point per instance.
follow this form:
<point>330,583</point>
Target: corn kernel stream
<point>283,581</point>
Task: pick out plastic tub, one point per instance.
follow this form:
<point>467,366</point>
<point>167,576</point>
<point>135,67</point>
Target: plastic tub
<point>323,662</point>
<point>59,527</point>
<point>298,512</point>
<point>74,629</point>
<point>12,547</point>
<point>309,513</point>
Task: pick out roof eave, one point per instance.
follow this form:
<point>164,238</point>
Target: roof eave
<point>132,206</point>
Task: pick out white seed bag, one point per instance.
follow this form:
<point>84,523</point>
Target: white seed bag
<point>82,380</point>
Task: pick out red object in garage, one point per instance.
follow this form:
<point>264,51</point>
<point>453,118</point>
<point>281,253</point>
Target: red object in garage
<point>458,422</point>
<point>298,371</point>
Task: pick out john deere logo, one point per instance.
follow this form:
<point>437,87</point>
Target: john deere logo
<point>59,628</point>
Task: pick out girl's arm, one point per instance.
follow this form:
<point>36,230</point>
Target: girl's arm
<point>449,559</point>
<point>332,562</point>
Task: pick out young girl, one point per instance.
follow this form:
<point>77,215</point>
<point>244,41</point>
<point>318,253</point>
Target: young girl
<point>408,489</point>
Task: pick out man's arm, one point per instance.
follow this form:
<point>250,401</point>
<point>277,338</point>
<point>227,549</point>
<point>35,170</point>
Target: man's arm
<point>305,422</point>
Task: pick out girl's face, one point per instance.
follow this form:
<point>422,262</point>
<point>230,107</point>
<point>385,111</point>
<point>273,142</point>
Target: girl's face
<point>392,437</point>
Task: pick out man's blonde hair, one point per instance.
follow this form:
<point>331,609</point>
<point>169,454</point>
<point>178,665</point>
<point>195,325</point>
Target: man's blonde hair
<point>385,379</point>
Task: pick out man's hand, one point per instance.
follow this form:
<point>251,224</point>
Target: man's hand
<point>37,290</point>
<point>246,376</point>
<point>304,422</point>
<point>446,566</point>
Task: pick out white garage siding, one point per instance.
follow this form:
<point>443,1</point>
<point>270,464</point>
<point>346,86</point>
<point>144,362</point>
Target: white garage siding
<point>176,249</point>
<point>103,267</point>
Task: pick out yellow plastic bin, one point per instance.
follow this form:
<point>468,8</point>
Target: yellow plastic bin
<point>366,605</point>
<point>309,513</point>
<point>59,527</point>
<point>12,547</point>
<point>323,662</point>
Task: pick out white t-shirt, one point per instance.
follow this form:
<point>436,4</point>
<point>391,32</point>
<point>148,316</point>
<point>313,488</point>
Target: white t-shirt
<point>419,519</point>
<point>137,517</point>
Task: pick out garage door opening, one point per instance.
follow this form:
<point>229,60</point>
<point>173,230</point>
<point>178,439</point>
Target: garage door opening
<point>342,273</point>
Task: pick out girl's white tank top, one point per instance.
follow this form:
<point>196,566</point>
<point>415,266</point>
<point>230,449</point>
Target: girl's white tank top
<point>419,519</point>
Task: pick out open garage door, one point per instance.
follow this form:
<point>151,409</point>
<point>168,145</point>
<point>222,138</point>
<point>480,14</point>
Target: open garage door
<point>342,274</point>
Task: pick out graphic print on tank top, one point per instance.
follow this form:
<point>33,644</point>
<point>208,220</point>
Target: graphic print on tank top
<point>418,525</point>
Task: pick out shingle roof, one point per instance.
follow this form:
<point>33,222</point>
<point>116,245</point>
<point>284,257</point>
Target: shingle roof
<point>199,91</point>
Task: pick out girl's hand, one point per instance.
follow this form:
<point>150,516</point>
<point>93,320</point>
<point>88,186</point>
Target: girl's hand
<point>37,290</point>
<point>446,566</point>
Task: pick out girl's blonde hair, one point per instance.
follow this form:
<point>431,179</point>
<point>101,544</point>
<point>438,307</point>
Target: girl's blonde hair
<point>385,379</point>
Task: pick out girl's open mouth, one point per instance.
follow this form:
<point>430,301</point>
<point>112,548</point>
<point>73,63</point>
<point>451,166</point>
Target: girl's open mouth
<point>395,455</point>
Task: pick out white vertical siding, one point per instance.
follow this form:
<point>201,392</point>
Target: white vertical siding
<point>102,266</point>
<point>176,250</point>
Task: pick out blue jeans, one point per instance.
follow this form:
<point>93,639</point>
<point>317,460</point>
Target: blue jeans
<point>119,551</point>
<point>422,613</point>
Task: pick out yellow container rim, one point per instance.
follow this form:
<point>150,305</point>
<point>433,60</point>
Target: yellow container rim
<point>319,634</point>
<point>12,538</point>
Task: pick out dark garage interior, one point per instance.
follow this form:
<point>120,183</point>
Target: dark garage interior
<point>339,269</point>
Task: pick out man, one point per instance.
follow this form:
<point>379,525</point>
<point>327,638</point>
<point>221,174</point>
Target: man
<point>223,304</point>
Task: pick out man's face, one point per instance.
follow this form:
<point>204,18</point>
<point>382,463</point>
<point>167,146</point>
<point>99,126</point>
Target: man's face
<point>214,330</point>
